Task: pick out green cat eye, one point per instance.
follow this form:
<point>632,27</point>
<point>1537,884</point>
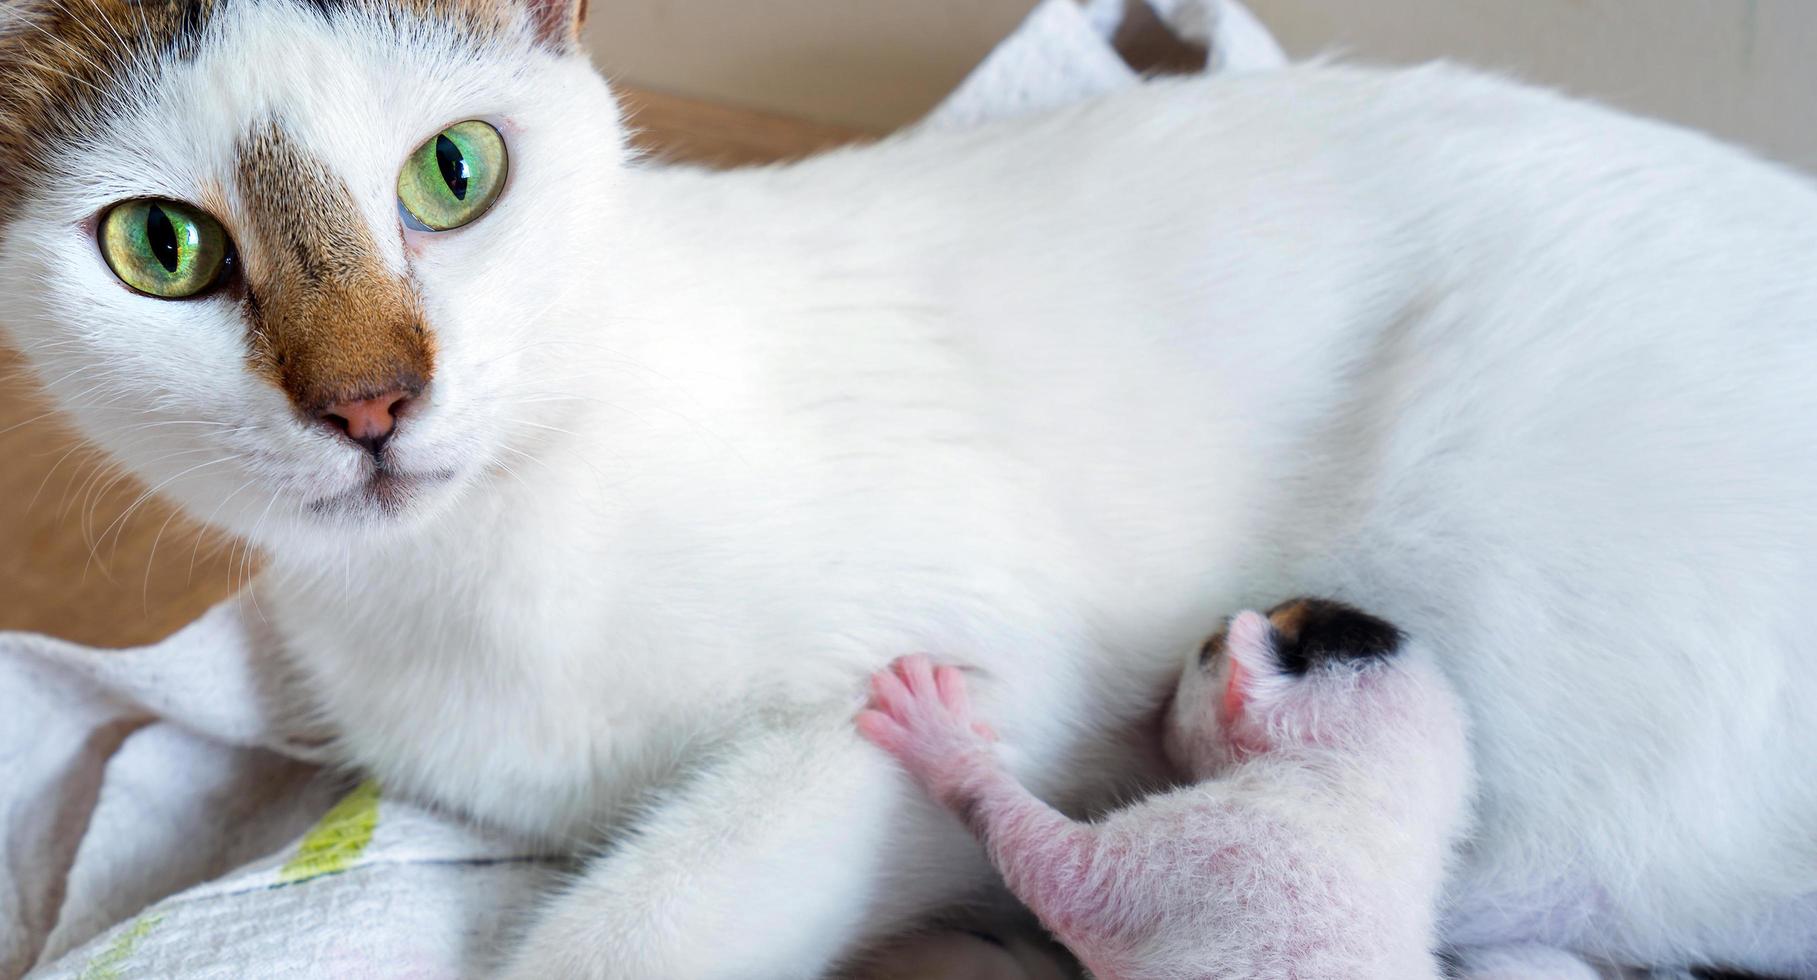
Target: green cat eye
<point>163,248</point>
<point>453,178</point>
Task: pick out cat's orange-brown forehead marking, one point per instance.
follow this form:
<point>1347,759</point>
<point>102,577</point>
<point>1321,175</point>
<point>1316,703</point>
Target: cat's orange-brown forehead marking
<point>330,321</point>
<point>63,60</point>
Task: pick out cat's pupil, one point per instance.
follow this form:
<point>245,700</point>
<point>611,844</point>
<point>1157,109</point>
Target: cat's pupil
<point>454,166</point>
<point>161,235</point>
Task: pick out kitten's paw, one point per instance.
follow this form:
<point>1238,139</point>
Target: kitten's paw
<point>920,714</point>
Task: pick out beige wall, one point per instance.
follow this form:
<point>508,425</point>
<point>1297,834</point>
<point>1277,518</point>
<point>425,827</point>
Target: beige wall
<point>1744,69</point>
<point>875,64</point>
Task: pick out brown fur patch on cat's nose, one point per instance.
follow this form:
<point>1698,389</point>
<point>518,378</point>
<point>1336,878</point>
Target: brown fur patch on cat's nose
<point>330,322</point>
<point>367,421</point>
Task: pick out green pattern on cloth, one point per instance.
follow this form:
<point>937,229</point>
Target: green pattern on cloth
<point>107,963</point>
<point>338,838</point>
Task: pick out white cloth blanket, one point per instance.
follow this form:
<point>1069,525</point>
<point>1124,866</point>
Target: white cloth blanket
<point>162,816</point>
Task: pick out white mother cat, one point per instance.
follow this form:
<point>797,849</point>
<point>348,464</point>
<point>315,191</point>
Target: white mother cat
<point>627,477</point>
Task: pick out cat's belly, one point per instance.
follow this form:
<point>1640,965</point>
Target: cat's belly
<point>1777,938</point>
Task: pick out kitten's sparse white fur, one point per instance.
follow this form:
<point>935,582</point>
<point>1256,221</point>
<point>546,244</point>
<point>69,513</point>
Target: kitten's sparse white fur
<point>1312,841</point>
<point>1530,378</point>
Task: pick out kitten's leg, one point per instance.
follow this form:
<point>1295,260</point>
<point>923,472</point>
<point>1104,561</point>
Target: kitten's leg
<point>921,715</point>
<point>1526,961</point>
<point>798,846</point>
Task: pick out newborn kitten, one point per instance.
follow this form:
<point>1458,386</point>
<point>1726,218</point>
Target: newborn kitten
<point>1333,780</point>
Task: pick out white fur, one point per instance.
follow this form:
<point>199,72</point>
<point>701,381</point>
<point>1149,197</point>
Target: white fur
<point>1524,962</point>
<point>1528,377</point>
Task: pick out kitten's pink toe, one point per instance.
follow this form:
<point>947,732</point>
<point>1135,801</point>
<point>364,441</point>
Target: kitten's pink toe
<point>950,682</point>
<point>889,695</point>
<point>918,672</point>
<point>881,730</point>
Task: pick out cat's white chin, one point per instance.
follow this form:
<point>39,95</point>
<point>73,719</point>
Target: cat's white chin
<point>386,494</point>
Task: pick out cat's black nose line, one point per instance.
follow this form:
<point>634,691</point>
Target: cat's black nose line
<point>372,443</point>
<point>375,444</point>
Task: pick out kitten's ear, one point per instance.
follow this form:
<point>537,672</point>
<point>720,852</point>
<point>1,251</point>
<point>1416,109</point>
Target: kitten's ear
<point>559,22</point>
<point>1254,671</point>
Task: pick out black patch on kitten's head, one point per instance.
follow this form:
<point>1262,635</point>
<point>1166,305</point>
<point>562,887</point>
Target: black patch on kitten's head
<point>1312,631</point>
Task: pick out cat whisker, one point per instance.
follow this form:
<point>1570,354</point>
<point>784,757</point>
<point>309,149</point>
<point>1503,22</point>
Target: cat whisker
<point>126,515</point>
<point>19,425</point>
<point>164,422</point>
<point>208,521</point>
<point>79,447</point>
<point>578,457</point>
<point>246,570</point>
<point>79,54</point>
<point>507,469</point>
<point>151,559</point>
<point>539,425</point>
<point>92,491</point>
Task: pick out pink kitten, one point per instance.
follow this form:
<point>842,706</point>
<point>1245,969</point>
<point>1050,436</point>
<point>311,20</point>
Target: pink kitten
<point>1332,780</point>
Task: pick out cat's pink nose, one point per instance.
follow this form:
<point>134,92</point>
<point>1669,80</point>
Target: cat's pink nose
<point>367,421</point>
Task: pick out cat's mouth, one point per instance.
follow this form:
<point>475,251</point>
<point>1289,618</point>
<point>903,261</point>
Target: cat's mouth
<point>387,491</point>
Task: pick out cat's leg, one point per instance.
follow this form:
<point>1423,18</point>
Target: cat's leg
<point>1522,961</point>
<point>957,955</point>
<point>791,851</point>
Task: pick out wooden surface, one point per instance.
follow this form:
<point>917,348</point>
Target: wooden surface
<point>79,560</point>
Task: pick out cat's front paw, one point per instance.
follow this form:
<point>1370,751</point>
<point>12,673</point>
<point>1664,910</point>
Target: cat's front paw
<point>920,714</point>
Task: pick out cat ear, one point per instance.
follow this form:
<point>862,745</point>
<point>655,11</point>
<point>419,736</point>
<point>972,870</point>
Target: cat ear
<point>558,22</point>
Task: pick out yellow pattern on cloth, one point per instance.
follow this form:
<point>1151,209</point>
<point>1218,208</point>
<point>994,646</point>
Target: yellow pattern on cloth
<point>338,838</point>
<point>107,963</point>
